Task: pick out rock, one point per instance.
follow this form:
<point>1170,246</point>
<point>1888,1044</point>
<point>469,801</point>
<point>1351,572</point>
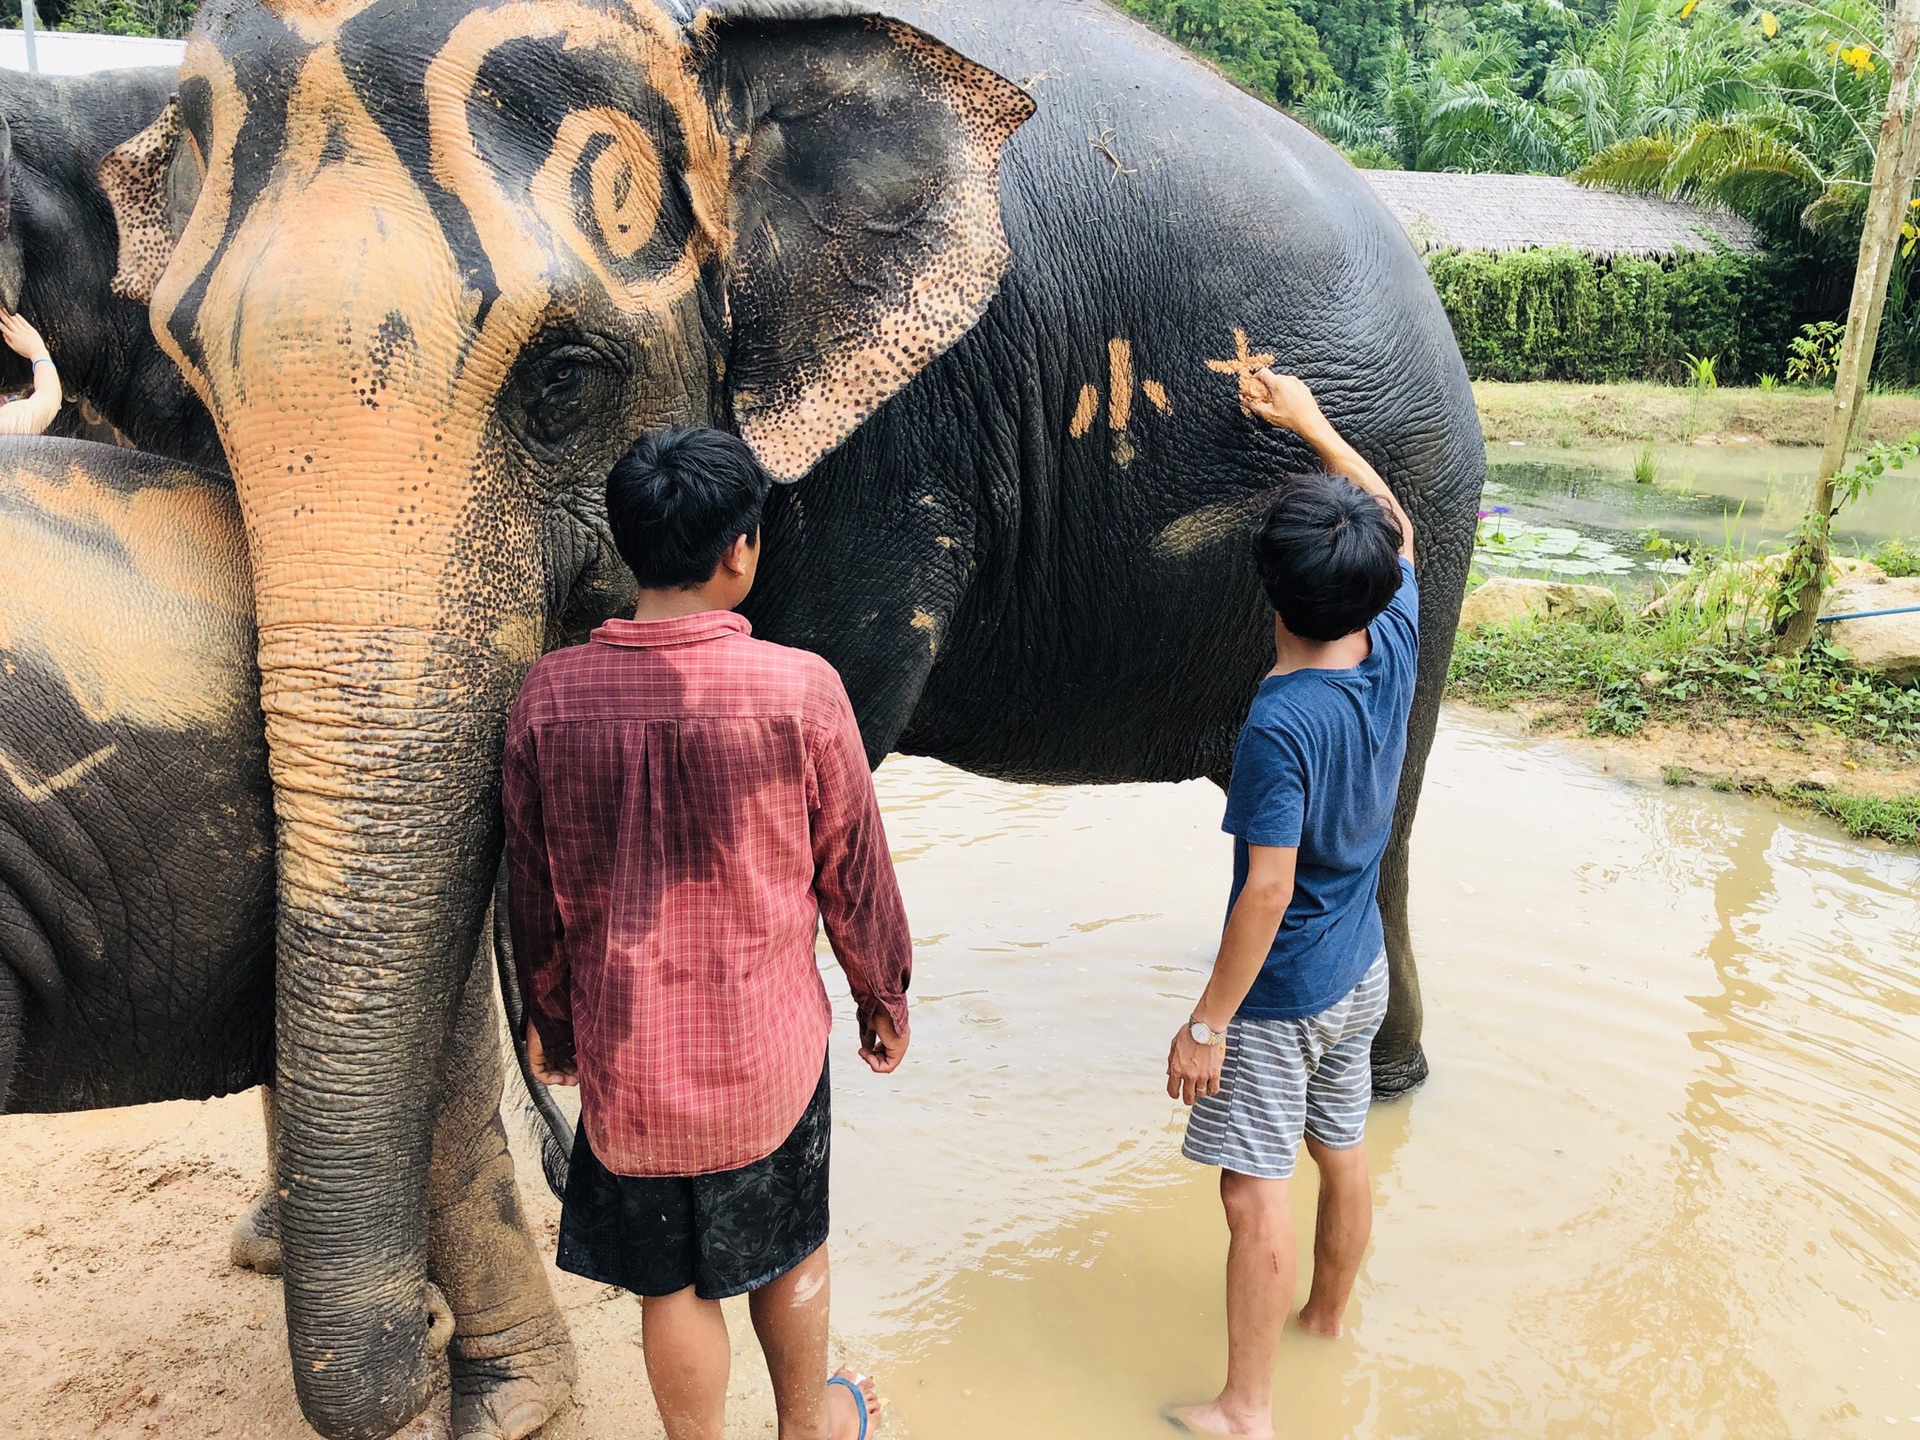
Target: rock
<point>1887,644</point>
<point>1653,679</point>
<point>1820,780</point>
<point>1505,599</point>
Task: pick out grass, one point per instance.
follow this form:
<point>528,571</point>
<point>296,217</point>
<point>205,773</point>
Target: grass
<point>1683,668</point>
<point>1541,412</point>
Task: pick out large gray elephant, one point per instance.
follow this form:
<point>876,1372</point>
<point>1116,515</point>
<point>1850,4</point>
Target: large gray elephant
<point>430,264</point>
<point>137,879</point>
<point>59,248</point>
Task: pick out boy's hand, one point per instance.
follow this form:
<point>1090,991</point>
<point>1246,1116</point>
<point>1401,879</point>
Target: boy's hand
<point>537,1062</point>
<point>1282,400</point>
<point>882,1046</point>
<point>1193,1069</point>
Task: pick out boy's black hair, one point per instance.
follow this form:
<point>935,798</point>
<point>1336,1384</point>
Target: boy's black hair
<point>1328,554</point>
<point>677,499</point>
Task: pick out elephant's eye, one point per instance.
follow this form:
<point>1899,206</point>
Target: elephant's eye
<point>563,391</point>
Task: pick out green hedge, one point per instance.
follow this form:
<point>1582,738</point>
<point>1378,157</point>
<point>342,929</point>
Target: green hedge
<point>1556,314</point>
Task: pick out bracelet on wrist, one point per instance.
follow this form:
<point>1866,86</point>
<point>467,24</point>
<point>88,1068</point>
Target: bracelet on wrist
<point>43,360</point>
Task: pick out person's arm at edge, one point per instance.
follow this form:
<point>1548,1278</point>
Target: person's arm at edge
<point>34,414</point>
<point>1193,1070</point>
<point>533,915</point>
<point>854,884</point>
<point>1285,400</point>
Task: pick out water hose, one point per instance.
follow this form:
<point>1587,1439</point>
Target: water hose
<point>1868,614</point>
<point>556,1145</point>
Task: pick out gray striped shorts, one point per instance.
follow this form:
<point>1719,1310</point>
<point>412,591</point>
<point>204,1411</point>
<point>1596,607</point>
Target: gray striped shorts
<point>1282,1079</point>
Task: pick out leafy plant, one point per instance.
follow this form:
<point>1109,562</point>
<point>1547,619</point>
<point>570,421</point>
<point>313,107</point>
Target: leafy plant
<point>1898,558</point>
<point>1813,356</point>
<point>1504,542</point>
<point>1643,468</point>
<point>1769,382</point>
<point>1804,575</point>
<point>1700,372</point>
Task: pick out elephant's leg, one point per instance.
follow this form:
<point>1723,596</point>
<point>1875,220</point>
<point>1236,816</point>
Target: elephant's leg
<point>1443,526</point>
<point>511,1357</point>
<point>256,1235</point>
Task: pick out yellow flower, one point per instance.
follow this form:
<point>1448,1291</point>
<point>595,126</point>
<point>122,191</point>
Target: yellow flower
<point>1687,9</point>
<point>1859,59</point>
<point>1769,24</point>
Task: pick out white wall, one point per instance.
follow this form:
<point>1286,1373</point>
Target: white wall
<point>62,53</point>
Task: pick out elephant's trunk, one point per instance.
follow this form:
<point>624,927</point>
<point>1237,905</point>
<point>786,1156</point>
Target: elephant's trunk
<point>384,747</point>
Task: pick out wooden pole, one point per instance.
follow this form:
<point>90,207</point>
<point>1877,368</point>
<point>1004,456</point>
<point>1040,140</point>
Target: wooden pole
<point>1896,158</point>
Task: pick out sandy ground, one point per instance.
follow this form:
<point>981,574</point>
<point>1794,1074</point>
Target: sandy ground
<point>120,1316</point>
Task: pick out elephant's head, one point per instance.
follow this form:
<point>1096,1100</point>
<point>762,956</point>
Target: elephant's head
<point>445,261</point>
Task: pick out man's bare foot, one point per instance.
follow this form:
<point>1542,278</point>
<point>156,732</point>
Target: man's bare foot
<point>1213,1418</point>
<point>1328,1327</point>
<point>843,1410</point>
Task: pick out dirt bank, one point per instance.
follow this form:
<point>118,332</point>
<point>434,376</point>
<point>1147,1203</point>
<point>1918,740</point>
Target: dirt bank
<point>1733,753</point>
<point>1548,413</point>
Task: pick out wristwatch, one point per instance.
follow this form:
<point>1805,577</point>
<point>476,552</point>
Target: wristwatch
<point>1205,1034</point>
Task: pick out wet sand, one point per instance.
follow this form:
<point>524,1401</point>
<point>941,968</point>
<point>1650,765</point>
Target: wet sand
<point>1665,1180</point>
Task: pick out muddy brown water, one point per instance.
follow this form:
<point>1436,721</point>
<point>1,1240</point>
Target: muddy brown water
<point>1665,1180</point>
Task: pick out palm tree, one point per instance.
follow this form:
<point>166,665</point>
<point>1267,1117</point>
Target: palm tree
<point>1788,144</point>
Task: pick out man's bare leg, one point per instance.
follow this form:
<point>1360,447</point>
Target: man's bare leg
<point>1340,1233</point>
<point>688,1359</point>
<point>1260,1268</point>
<point>790,1317</point>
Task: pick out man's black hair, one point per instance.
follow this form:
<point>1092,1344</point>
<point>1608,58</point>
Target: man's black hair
<point>677,499</point>
<point>1328,554</point>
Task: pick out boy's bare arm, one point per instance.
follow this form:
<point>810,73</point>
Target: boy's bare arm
<point>1285,400</point>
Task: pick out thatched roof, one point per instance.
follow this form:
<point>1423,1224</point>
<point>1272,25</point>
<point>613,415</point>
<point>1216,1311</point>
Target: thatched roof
<point>1522,212</point>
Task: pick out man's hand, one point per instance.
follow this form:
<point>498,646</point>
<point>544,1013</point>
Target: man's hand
<point>1193,1069</point>
<point>537,1062</point>
<point>1283,400</point>
<point>882,1046</point>
<point>21,337</point>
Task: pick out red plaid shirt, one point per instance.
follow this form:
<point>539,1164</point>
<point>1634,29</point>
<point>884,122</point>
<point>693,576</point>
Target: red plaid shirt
<point>683,804</point>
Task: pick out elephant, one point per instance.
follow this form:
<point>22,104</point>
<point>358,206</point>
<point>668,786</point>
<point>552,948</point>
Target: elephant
<point>59,246</point>
<point>430,265</point>
<point>137,881</point>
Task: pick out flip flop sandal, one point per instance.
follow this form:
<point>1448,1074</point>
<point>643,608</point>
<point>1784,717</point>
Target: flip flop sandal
<point>859,1400</point>
<point>1171,1414</point>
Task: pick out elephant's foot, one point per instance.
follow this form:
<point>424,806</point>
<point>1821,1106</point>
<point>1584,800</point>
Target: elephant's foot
<point>1394,1076</point>
<point>256,1236</point>
<point>522,1381</point>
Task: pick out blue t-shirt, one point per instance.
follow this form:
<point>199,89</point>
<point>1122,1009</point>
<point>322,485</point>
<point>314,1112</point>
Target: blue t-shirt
<point>1317,766</point>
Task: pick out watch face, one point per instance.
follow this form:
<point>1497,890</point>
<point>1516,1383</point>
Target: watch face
<point>1200,1033</point>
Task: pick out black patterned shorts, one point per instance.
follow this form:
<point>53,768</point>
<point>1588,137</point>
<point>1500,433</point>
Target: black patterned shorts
<point>724,1234</point>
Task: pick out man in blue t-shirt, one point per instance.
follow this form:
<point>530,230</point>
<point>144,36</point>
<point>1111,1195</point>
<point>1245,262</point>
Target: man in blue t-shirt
<point>1279,1046</point>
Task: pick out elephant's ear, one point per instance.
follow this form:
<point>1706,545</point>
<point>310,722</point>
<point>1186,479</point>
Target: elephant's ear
<point>864,212</point>
<point>152,180</point>
<point>12,271</point>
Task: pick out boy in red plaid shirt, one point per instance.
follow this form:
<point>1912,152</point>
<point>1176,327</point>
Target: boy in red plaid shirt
<point>684,805</point>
